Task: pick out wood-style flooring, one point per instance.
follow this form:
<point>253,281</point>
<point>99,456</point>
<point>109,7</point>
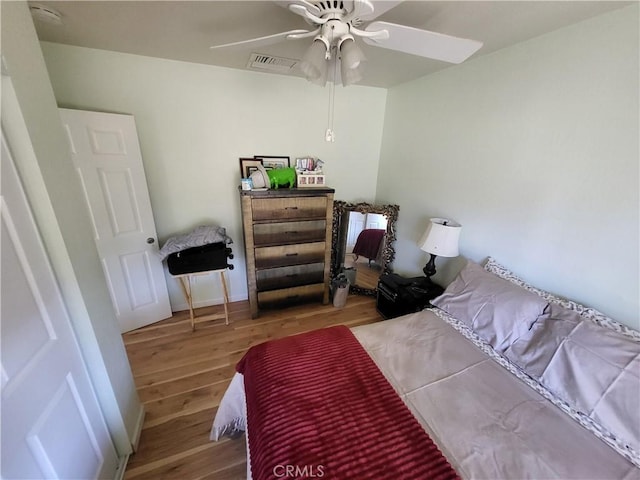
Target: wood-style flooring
<point>367,275</point>
<point>181,376</point>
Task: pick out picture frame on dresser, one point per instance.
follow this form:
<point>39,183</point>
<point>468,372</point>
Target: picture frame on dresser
<point>248,166</point>
<point>274,161</point>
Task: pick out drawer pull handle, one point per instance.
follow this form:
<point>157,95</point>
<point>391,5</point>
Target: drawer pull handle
<point>291,208</point>
<point>292,232</point>
<point>292,255</point>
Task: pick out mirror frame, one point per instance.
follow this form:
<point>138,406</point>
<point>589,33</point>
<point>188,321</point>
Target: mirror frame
<point>339,237</point>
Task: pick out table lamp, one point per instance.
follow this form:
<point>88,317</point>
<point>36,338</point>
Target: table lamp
<point>441,238</point>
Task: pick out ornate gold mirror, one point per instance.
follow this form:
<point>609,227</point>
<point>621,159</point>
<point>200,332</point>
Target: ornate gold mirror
<point>363,243</point>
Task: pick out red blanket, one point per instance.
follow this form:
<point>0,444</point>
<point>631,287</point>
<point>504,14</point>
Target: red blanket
<point>368,243</point>
<point>319,407</point>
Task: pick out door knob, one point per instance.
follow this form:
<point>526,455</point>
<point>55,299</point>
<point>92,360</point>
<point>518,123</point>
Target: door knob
<point>150,240</point>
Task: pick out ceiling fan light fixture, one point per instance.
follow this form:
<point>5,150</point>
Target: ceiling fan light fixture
<point>324,75</point>
<point>351,57</point>
<point>314,61</point>
<point>351,76</point>
<point>352,61</point>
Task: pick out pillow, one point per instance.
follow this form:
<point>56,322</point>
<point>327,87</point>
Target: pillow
<point>586,313</point>
<point>496,310</point>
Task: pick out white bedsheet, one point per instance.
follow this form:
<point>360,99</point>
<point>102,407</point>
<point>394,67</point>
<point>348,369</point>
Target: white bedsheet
<point>487,422</point>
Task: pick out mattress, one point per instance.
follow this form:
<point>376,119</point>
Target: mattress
<point>487,422</point>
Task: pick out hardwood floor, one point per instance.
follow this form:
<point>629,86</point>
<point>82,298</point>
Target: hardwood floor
<point>181,376</point>
<point>367,275</point>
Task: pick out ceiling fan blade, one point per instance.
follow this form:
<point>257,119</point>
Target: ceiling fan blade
<point>308,16</point>
<point>359,9</point>
<point>262,41</point>
<point>423,42</point>
<point>305,3</point>
<point>379,7</point>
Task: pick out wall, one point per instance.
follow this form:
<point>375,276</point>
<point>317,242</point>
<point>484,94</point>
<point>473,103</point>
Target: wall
<point>534,150</point>
<point>32,125</point>
<point>195,121</point>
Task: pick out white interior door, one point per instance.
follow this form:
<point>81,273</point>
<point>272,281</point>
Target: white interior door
<point>376,221</point>
<point>107,155</point>
<point>52,425</point>
<point>356,225</point>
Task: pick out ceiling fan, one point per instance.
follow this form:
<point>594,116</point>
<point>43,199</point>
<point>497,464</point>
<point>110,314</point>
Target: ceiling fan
<point>336,24</point>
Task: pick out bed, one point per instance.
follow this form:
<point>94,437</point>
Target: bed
<point>506,380</point>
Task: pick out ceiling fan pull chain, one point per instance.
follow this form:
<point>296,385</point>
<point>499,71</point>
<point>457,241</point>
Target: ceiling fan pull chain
<point>329,134</point>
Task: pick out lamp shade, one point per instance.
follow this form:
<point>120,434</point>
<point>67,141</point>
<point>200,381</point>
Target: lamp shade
<point>349,77</point>
<point>352,62</point>
<point>351,55</point>
<point>314,62</point>
<point>441,237</point>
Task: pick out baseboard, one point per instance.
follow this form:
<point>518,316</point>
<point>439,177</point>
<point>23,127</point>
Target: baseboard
<point>135,440</point>
<point>137,431</point>
<point>122,467</point>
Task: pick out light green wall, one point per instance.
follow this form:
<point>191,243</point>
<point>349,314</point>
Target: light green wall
<point>32,125</point>
<point>534,149</point>
<point>195,122</point>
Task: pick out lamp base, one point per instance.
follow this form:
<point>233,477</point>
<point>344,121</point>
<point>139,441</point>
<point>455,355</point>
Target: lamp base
<point>430,268</point>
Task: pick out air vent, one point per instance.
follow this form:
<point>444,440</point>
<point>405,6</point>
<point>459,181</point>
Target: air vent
<point>259,61</point>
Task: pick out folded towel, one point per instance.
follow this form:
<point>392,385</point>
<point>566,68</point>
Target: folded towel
<point>202,235</point>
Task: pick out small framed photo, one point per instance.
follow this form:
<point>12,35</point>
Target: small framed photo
<point>248,166</point>
<point>269,161</point>
<point>311,180</point>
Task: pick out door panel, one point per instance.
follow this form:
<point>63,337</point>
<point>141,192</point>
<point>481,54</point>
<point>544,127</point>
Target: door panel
<point>52,424</point>
<point>26,314</point>
<point>65,411</point>
<point>119,198</point>
<point>107,156</point>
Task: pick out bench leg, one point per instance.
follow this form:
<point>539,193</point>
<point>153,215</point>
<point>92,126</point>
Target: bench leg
<point>186,289</point>
<point>226,298</point>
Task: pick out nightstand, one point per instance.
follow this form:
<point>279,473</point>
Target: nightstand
<point>399,295</point>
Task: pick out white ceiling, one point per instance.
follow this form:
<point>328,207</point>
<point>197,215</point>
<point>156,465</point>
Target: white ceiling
<point>184,30</point>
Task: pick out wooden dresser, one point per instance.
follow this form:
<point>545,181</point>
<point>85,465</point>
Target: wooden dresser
<point>287,238</point>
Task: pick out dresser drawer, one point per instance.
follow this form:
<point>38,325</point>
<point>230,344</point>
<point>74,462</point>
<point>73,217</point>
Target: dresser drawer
<point>285,277</point>
<point>282,256</point>
<point>268,209</point>
<point>286,233</point>
<point>287,296</point>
